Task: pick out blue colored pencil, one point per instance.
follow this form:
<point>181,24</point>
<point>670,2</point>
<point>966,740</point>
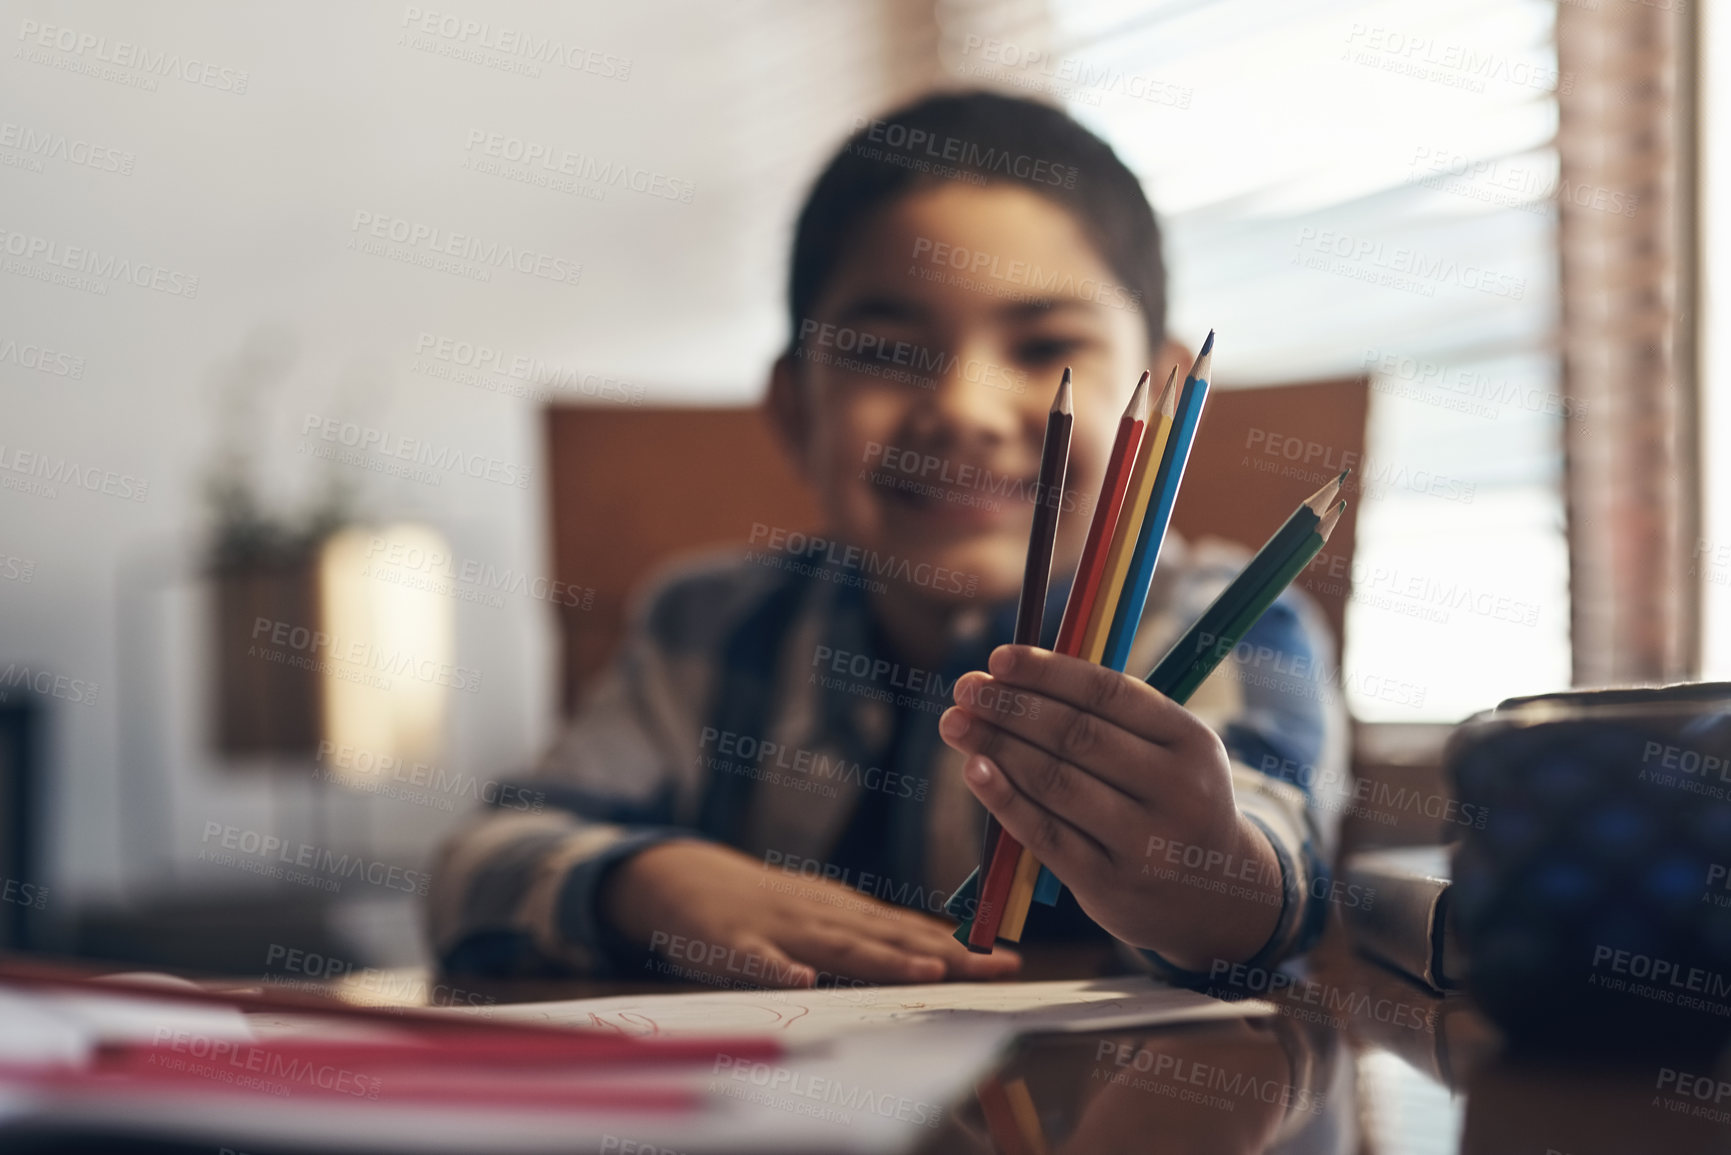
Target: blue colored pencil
<point>1134,596</point>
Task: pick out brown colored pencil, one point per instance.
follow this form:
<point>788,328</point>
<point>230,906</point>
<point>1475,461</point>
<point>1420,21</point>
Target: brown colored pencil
<point>1054,462</point>
<point>1037,575</point>
<point>1120,461</point>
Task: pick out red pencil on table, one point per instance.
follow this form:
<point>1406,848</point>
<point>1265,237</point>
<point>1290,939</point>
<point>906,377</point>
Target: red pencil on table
<point>999,876</point>
<point>506,1048</point>
<point>418,1036</point>
<point>328,1081</point>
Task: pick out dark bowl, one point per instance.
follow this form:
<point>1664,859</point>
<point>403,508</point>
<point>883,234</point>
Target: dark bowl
<point>1594,904</point>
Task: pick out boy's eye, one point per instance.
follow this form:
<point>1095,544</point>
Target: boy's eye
<point>1045,350</point>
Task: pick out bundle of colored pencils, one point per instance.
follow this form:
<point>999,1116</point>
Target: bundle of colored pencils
<point>1110,591</point>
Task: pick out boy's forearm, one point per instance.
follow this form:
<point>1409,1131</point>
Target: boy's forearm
<point>515,894</point>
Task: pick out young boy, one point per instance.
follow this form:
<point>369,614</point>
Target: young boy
<point>762,789</point>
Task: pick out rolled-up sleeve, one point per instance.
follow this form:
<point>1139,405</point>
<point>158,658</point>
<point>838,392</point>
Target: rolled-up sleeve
<point>515,890</point>
<point>1277,706</point>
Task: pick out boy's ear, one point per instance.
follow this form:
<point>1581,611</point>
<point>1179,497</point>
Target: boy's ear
<point>789,411</point>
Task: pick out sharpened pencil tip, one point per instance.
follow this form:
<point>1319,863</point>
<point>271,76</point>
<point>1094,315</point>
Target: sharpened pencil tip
<point>1319,501</point>
<point>1169,395</point>
<point>1204,364</point>
<point>1341,480</point>
<point>1061,402</point>
<point>1330,520</point>
<point>1138,406</point>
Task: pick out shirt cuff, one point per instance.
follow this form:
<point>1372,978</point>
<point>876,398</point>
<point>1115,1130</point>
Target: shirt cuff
<point>580,925</point>
<point>1279,941</point>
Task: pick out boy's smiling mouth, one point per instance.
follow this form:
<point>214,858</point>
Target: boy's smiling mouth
<point>1000,500</point>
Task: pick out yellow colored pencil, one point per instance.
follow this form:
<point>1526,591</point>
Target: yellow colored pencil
<point>1142,480</point>
<point>1027,1117</point>
<point>1021,895</point>
<point>1143,475</point>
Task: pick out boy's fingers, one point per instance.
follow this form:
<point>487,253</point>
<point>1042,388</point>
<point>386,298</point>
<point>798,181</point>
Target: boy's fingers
<point>1107,694</point>
<point>928,936</point>
<point>912,932</point>
<point>1069,852</point>
<point>1060,787</point>
<point>1122,760</point>
<point>858,956</point>
<point>779,968</point>
<point>1001,963</point>
<point>917,933</point>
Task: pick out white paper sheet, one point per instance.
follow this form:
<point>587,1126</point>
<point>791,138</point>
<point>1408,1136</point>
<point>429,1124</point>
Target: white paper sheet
<point>65,1026</point>
<point>803,1016</point>
<point>31,1032</point>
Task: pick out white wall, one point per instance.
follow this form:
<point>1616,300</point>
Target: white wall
<point>256,193</point>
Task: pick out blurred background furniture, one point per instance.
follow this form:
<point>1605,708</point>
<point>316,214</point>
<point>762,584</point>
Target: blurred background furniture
<point>618,511</point>
<point>22,886</point>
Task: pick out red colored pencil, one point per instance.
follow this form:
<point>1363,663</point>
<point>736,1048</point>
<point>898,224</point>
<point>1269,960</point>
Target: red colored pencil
<point>431,1026</point>
<point>505,1049</point>
<point>1113,486</point>
<point>1000,874</point>
<point>558,1091</point>
<point>1119,464</point>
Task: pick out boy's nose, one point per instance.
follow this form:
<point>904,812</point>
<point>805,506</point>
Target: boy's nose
<point>972,395</point>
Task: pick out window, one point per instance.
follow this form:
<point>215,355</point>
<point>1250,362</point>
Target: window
<point>1372,191</point>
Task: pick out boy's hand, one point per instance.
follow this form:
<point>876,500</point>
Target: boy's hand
<point>1126,795</point>
<point>711,909</point>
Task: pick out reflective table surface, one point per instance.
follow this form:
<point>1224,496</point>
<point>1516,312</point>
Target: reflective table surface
<point>1356,1059</point>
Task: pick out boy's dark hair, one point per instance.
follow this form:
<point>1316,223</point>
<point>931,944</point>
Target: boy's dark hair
<point>981,138</point>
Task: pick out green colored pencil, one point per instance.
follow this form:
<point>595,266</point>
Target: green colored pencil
<point>1195,655</point>
<point>1276,549</point>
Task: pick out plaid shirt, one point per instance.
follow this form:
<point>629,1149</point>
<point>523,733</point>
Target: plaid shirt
<point>753,704</point>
